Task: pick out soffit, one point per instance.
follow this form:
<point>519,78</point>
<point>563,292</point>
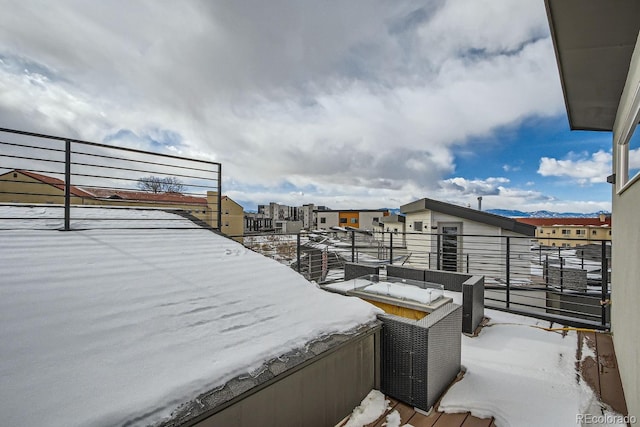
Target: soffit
<point>594,42</point>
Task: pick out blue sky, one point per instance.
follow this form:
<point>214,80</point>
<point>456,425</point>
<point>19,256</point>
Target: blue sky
<point>360,104</point>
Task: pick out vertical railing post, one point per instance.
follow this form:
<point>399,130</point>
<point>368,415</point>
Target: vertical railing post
<point>353,246</point>
<point>508,271</point>
<point>391,248</point>
<point>604,265</point>
<point>298,251</point>
<point>219,197</point>
<point>67,185</point>
<point>438,243</point>
<point>467,263</point>
<point>561,275</point>
<point>539,253</point>
<point>546,269</point>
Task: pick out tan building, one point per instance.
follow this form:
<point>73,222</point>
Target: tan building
<point>22,186</point>
<point>570,232</point>
<point>232,218</point>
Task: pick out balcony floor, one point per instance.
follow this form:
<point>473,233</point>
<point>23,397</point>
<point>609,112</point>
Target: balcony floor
<point>434,419</point>
<point>595,357</point>
<point>601,372</point>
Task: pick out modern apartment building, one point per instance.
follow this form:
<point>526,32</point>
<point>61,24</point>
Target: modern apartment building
<point>363,219</point>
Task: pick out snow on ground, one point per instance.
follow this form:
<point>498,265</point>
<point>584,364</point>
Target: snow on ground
<point>520,374</point>
<point>372,407</point>
<point>369,410</point>
<point>517,372</point>
<point>113,327</point>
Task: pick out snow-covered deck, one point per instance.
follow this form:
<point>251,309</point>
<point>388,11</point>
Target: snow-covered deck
<point>519,373</point>
<point>121,326</point>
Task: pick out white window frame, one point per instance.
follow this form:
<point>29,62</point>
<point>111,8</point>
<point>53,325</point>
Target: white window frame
<point>624,128</point>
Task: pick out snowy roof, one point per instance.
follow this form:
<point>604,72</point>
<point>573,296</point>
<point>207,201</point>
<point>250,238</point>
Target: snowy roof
<point>115,327</point>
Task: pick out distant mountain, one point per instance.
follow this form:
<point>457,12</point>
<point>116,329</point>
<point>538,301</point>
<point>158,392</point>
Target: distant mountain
<point>543,214</point>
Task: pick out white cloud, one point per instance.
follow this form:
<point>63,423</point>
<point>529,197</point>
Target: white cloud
<point>477,187</point>
<point>579,167</point>
<point>363,101</point>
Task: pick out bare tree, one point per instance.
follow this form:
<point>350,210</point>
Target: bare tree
<point>156,184</point>
<point>172,185</point>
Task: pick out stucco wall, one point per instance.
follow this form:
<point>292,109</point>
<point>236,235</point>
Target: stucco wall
<point>232,217</point>
<point>331,219</point>
<point>366,219</point>
<point>625,292</point>
<point>418,246</point>
<point>24,189</point>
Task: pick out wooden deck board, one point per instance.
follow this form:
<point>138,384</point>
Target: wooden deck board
<point>406,412</point>
<point>403,409</point>
<point>421,420</point>
<point>451,420</point>
<point>472,421</point>
<point>610,384</point>
<point>588,366</point>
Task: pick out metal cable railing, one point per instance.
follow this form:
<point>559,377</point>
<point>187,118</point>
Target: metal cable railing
<point>68,176</point>
<point>520,275</point>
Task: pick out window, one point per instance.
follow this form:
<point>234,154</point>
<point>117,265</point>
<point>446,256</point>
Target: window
<point>627,141</point>
<point>343,220</point>
<point>354,220</point>
<point>580,232</point>
<point>594,232</point>
<point>553,231</point>
<point>323,220</point>
<point>375,219</point>
<point>566,232</point>
<point>417,225</point>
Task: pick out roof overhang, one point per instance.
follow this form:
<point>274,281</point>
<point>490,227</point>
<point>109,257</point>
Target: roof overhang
<point>593,41</point>
<point>502,222</point>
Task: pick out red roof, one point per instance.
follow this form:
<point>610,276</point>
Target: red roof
<point>108,193</point>
<point>143,196</point>
<point>58,183</point>
<point>580,222</point>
